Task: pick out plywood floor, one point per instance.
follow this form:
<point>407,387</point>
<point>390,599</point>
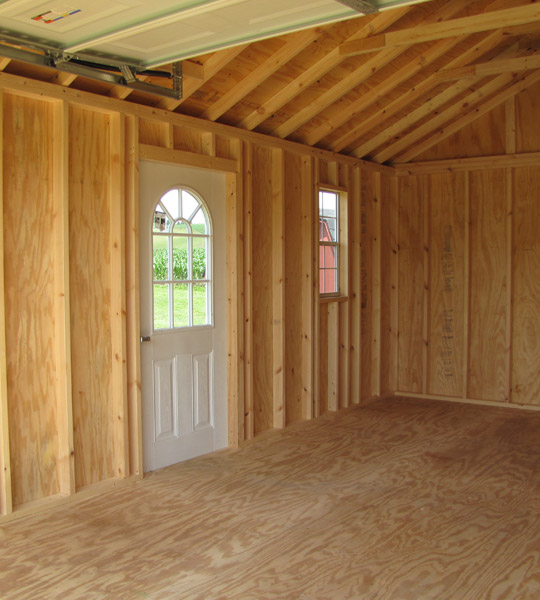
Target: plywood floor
<point>402,499</point>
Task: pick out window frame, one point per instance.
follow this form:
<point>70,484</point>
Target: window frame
<point>339,244</point>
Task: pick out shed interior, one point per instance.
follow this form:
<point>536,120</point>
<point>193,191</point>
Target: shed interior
<point>422,117</point>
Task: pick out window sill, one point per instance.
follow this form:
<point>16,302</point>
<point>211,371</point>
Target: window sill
<point>328,299</point>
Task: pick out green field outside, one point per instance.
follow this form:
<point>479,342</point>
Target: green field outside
<point>161,305</point>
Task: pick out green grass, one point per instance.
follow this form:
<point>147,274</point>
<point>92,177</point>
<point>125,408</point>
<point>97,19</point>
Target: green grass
<point>161,306</point>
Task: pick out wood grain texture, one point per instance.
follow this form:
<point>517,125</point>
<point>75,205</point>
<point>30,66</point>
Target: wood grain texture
<point>322,364</point>
<point>527,123</point>
<point>367,192</point>
<point>90,292</point>
<point>447,279</point>
<point>355,287</point>
<point>412,191</point>
<point>262,288</point>
<point>389,286</point>
<point>29,302</point>
<point>488,286</point>
<point>402,499</point>
<point>293,191</point>
<point>526,286</point>
<point>153,133</point>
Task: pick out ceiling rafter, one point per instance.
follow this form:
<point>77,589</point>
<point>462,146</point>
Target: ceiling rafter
<point>339,117</point>
<point>294,45</point>
<point>318,69</point>
<point>379,118</point>
<point>437,31</point>
<point>214,64</point>
<point>358,76</point>
<point>523,83</point>
<point>396,134</point>
<point>494,67</point>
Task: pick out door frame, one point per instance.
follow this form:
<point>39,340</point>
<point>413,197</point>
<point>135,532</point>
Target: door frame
<point>234,285</point>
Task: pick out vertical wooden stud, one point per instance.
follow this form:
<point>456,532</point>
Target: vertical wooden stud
<point>248,289</point>
<point>209,143</point>
<point>332,402</point>
<point>394,285</point>
<point>376,291</point>
<point>133,317</point>
<point>66,461</point>
<point>235,290</point>
<point>278,289</point>
<point>118,296</point>
<point>6,502</point>
<point>315,289</point>
<point>308,346</point>
<point>510,109</point>
<point>168,133</point>
<point>427,295</point>
<point>509,279</point>
<point>354,289</point>
<point>467,287</point>
<point>343,308</point>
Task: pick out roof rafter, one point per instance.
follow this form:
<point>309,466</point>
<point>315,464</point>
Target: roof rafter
<point>296,43</point>
<point>213,65</point>
<point>399,103</point>
<point>523,83</point>
<point>318,69</point>
<point>510,65</point>
<point>359,75</point>
<point>436,31</point>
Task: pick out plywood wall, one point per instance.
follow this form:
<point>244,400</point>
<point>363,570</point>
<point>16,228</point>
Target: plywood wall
<point>471,332</point>
<point>69,322</point>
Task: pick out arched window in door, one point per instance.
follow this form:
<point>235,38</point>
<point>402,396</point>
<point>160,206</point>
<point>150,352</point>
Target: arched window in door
<point>181,252</point>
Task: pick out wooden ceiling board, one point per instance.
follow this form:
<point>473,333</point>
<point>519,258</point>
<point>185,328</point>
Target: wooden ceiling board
<point>388,106</point>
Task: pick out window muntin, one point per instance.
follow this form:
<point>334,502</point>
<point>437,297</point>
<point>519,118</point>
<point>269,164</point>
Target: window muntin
<point>328,242</point>
<point>181,259</point>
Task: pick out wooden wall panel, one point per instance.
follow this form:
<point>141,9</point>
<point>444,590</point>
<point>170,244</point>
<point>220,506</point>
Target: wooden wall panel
<point>447,280</point>
<point>29,283</point>
<point>153,133</point>
<point>412,191</point>
<point>293,287</point>
<point>367,195</point>
<point>355,287</point>
<point>527,121</point>
<point>526,287</point>
<point>262,288</point>
<point>90,288</point>
<point>488,283</point>
<point>483,137</point>
<point>389,285</point>
<point>323,345</point>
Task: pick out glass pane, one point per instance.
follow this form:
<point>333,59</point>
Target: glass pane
<point>200,316</point>
<point>189,205</point>
<point>328,281</point>
<point>327,230</point>
<point>180,258</point>
<point>161,306</point>
<point>327,257</point>
<point>181,227</point>
<point>199,222</point>
<point>199,261</point>
<point>181,304</point>
<point>170,202</point>
<point>160,257</point>
<point>161,220</point>
<point>328,204</point>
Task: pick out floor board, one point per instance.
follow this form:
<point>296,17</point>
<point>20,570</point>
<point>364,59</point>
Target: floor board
<point>400,500</point>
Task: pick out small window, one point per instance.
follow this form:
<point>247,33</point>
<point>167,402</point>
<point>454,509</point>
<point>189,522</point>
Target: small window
<point>181,254</point>
<point>328,242</point>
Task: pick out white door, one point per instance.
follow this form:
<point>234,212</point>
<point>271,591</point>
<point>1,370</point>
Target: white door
<point>183,313</point>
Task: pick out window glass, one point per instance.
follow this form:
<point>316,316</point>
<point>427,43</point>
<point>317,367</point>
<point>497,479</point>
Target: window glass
<point>181,250</point>
<point>328,242</point>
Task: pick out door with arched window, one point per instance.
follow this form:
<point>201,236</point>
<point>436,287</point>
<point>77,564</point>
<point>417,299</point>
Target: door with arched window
<point>183,313</point>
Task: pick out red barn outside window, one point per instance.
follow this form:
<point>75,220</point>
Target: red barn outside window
<point>328,242</point>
